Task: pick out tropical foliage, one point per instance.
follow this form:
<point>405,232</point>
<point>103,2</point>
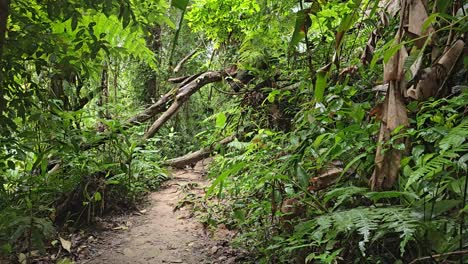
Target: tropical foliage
<point>344,122</point>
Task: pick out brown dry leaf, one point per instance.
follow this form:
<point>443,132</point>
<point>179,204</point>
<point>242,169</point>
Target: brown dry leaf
<point>449,59</point>
<point>387,164</point>
<point>120,227</point>
<point>66,244</point>
<point>437,74</point>
<point>403,54</point>
<point>325,179</point>
<point>22,259</point>
<point>338,38</point>
<point>368,53</point>
<point>393,69</point>
<point>392,7</point>
<point>417,15</point>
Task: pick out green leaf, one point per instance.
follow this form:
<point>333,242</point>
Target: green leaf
<point>97,196</point>
<point>302,176</point>
<point>239,215</point>
<point>320,85</point>
<point>440,207</point>
<point>74,21</point>
<point>221,120</point>
<point>125,15</point>
<point>221,178</point>
<point>442,5</point>
<point>78,46</point>
<point>298,33</point>
<point>376,196</point>
<point>180,4</point>
<point>11,165</point>
<point>272,95</point>
<point>389,53</point>
<point>6,248</point>
<point>319,140</point>
<point>430,20</point>
<point>351,163</point>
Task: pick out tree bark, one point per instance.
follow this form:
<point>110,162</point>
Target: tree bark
<point>154,109</point>
<point>154,44</point>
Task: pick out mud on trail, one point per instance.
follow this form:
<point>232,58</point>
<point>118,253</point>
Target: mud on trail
<point>162,235</point>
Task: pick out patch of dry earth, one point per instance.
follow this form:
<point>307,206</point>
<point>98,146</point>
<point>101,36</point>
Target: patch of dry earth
<point>161,235</point>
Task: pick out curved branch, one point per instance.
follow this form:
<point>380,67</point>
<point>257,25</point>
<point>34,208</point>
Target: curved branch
<point>182,96</point>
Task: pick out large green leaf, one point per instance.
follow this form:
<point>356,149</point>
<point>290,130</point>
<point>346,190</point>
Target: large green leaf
<point>180,4</point>
<point>302,177</point>
<point>219,181</point>
<point>220,120</point>
<point>321,83</point>
<point>298,33</point>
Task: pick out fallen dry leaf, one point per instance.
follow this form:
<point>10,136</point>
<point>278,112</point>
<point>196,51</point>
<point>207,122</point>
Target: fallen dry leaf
<point>121,227</point>
<point>65,244</point>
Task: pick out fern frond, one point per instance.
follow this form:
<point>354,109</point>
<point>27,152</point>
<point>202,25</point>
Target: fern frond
<point>431,168</point>
<point>455,137</point>
<point>343,194</point>
<point>451,147</point>
<point>365,222</point>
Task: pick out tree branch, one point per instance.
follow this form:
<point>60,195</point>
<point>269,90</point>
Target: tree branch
<point>454,253</point>
<point>184,60</point>
<point>193,157</point>
<point>182,96</point>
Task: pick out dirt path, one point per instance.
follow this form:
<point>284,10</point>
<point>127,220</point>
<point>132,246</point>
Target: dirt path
<point>161,235</point>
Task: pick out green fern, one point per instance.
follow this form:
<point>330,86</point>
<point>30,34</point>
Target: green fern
<point>370,224</point>
<point>451,148</point>
<point>455,137</point>
<point>343,194</point>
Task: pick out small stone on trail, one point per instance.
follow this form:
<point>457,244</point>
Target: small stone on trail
<point>214,249</point>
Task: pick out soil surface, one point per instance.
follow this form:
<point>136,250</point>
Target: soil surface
<point>160,234</point>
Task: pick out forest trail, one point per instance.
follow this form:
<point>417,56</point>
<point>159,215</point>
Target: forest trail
<point>162,235</point>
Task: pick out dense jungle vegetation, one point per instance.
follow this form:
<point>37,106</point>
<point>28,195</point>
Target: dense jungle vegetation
<point>338,128</point>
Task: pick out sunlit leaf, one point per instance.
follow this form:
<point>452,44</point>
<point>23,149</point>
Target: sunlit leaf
<point>221,120</point>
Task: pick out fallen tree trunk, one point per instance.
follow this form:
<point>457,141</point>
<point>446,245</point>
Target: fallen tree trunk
<point>194,157</point>
<point>182,96</point>
<point>178,95</point>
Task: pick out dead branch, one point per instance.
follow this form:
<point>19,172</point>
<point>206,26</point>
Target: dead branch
<point>177,79</point>
<point>454,253</point>
<point>178,96</point>
<point>156,108</point>
<point>184,60</point>
<point>182,96</point>
<point>193,157</point>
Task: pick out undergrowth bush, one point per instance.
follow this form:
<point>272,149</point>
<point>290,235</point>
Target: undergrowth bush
<point>345,221</point>
<point>54,183</point>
